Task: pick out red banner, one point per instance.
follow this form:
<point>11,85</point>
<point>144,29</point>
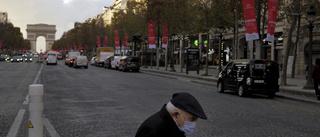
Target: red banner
<point>0,44</point>
<point>165,35</point>
<point>75,47</point>
<point>116,39</point>
<point>126,38</point>
<point>250,20</point>
<point>98,42</point>
<point>272,18</point>
<point>105,41</point>
<point>152,37</point>
<point>80,47</point>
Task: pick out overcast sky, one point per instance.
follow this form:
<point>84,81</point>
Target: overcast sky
<point>62,13</point>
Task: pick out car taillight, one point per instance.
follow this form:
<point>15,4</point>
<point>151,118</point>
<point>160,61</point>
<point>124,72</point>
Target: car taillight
<point>125,63</point>
<point>139,64</point>
<point>56,58</point>
<point>47,59</point>
<point>87,60</point>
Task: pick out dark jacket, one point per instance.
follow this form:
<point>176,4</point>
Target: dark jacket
<point>160,124</point>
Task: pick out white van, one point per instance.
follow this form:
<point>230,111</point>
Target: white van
<point>115,62</point>
<point>81,61</point>
<point>52,58</point>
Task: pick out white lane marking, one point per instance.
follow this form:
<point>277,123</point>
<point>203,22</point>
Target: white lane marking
<point>16,124</point>
<point>26,100</point>
<point>50,129</point>
<point>38,75</point>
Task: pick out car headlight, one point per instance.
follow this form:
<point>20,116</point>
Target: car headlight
<point>11,59</point>
<point>30,58</point>
<point>25,59</point>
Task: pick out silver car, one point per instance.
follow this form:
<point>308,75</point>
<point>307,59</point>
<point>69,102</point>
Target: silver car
<point>81,61</point>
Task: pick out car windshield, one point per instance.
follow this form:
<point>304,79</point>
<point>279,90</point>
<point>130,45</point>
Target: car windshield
<point>16,57</point>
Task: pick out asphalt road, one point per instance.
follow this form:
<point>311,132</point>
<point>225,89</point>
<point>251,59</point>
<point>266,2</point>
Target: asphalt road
<point>98,102</point>
<point>15,79</point>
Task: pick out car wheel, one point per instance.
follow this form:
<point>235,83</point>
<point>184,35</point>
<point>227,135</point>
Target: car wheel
<point>241,91</point>
<point>86,67</point>
<point>271,94</point>
<point>220,87</point>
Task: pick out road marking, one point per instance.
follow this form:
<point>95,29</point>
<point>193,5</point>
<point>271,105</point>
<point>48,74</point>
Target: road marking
<point>38,75</point>
<point>16,124</point>
<point>50,129</point>
<point>26,100</point>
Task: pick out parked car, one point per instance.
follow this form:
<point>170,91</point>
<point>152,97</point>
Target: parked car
<point>107,62</point>
<point>115,62</point>
<point>81,61</point>
<point>93,59</point>
<point>28,58</point>
<point>250,76</point>
<point>16,59</point>
<point>129,63</point>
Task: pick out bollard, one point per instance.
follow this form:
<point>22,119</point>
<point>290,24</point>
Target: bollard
<point>36,107</point>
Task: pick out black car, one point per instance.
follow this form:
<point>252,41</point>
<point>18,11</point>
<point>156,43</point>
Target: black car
<point>129,63</point>
<point>250,76</point>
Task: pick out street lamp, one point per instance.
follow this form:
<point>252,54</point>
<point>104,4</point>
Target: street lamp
<point>172,54</point>
<point>221,28</point>
<point>311,13</point>
<point>146,40</point>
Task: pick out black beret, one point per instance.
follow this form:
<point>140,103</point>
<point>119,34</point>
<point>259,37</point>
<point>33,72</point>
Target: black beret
<point>188,103</point>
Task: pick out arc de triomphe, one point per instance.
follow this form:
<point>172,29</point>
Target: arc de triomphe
<point>45,30</point>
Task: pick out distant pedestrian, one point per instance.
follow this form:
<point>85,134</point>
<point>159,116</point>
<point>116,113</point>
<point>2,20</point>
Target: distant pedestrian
<point>316,77</point>
<point>175,119</point>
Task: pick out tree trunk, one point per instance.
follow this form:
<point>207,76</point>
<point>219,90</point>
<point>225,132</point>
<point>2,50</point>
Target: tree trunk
<point>296,47</point>
<point>283,78</point>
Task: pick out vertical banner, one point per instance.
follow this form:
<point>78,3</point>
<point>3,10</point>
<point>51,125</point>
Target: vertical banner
<point>80,46</point>
<point>105,41</point>
<point>126,38</point>
<point>75,47</point>
<point>98,42</point>
<point>272,19</point>
<point>0,44</point>
<point>165,35</point>
<point>152,37</point>
<point>250,20</point>
<point>116,39</point>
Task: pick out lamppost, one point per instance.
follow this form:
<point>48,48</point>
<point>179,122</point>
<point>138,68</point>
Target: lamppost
<point>311,13</point>
<point>146,40</point>
<point>220,29</point>
<point>172,54</point>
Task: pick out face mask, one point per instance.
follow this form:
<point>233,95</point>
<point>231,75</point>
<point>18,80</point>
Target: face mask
<point>188,127</point>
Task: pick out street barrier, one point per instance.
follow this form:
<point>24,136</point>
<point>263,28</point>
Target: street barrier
<point>36,107</point>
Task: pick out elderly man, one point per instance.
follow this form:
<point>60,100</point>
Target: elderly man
<point>176,119</point>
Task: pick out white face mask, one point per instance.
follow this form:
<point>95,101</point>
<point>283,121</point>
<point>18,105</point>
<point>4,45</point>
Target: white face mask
<point>188,127</point>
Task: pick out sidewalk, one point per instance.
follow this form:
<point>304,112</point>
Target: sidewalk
<point>294,85</point>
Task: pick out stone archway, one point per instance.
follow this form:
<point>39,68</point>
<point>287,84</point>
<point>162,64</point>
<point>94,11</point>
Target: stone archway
<point>45,30</point>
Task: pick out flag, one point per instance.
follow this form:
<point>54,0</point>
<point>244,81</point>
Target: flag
<point>152,37</point>
<point>250,20</point>
<point>116,39</point>
<point>105,41</point>
<point>272,19</point>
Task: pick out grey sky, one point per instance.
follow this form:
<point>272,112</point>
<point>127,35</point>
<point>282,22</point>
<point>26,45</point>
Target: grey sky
<point>62,13</point>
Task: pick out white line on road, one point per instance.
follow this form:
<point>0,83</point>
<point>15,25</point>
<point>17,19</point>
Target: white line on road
<point>50,129</point>
<point>38,75</point>
<point>16,124</point>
